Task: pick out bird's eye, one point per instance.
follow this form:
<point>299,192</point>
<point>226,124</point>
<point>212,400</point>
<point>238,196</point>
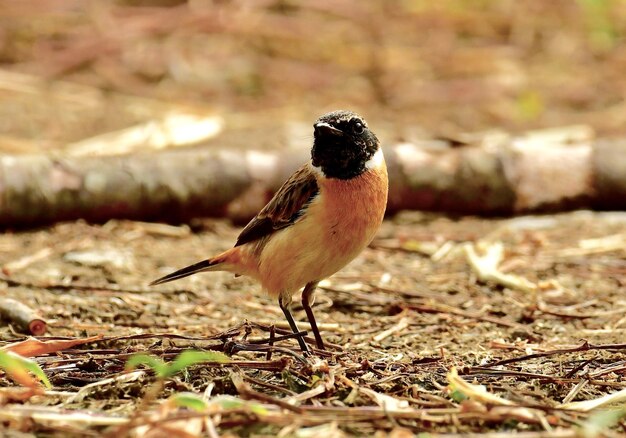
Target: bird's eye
<point>358,127</point>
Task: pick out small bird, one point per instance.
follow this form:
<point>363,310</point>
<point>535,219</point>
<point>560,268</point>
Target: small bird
<point>322,217</point>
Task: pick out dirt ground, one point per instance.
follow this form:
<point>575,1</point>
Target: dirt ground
<point>398,319</point>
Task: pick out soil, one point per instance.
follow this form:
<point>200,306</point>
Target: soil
<point>397,320</point>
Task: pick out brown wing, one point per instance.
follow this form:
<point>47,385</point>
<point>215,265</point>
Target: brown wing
<point>287,205</point>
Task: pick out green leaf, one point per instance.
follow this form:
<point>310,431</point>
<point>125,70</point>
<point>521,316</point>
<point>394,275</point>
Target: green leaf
<point>34,368</point>
<point>157,365</point>
<point>228,402</point>
<point>183,360</point>
<point>189,400</point>
<point>257,408</point>
<point>193,357</point>
<point>458,396</point>
<point>16,365</point>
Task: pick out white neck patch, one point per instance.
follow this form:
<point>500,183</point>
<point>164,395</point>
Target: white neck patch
<point>376,161</point>
<point>317,170</point>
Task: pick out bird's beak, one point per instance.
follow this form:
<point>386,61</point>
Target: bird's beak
<point>327,129</point>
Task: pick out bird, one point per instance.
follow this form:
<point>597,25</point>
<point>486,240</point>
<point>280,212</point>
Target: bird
<point>319,220</point>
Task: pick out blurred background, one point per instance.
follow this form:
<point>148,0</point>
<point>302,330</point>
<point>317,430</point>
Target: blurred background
<point>71,69</point>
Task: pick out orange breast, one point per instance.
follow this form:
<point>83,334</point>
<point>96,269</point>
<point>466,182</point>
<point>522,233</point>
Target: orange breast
<point>353,209</point>
<point>336,227</point>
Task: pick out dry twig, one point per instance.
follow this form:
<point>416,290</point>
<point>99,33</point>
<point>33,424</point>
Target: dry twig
<point>25,319</point>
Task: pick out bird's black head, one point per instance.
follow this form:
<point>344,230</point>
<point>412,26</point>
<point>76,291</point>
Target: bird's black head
<point>343,145</point>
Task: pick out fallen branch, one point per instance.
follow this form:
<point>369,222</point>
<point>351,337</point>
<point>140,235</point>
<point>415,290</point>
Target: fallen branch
<point>21,263</point>
<point>535,172</point>
<point>583,347</point>
<point>47,285</point>
<point>540,377</point>
<point>25,319</point>
<point>169,185</point>
<point>247,393</point>
<point>442,308</point>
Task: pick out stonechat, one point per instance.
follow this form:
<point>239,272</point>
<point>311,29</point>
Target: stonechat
<point>322,217</point>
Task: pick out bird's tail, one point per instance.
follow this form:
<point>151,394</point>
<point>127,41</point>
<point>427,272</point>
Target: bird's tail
<point>212,264</point>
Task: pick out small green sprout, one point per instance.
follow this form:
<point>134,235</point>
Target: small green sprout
<point>184,360</point>
<point>197,403</point>
<point>17,368</point>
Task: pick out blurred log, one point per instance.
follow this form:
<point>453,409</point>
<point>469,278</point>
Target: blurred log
<point>537,172</point>
<point>167,186</point>
<point>609,163</point>
<point>25,319</point>
<point>551,170</point>
<point>517,178</point>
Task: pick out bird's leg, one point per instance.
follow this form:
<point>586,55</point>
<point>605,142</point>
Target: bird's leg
<point>308,297</point>
<point>292,323</point>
